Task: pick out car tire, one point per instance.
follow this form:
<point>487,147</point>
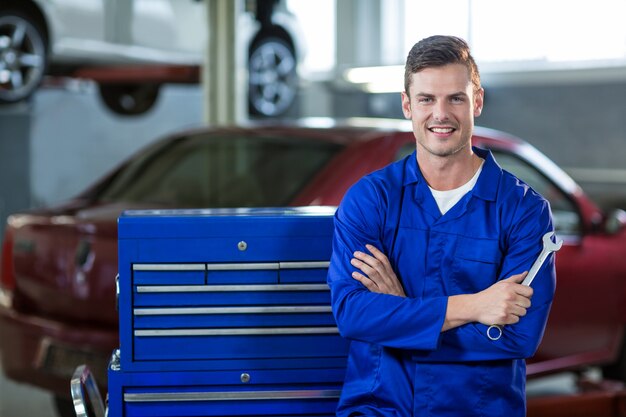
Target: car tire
<point>129,99</point>
<point>272,76</point>
<point>23,55</point>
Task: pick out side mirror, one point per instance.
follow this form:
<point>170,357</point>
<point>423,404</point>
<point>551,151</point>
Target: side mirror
<point>615,222</point>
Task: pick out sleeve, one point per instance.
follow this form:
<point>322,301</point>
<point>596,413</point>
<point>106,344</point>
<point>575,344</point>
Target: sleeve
<point>521,340</point>
<point>387,320</point>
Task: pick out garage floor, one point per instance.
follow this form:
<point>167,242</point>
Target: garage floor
<point>18,400</point>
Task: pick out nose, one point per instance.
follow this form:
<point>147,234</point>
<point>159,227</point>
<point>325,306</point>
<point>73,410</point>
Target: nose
<point>440,111</point>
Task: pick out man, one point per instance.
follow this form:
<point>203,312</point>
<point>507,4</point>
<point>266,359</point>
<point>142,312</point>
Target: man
<point>429,252</point>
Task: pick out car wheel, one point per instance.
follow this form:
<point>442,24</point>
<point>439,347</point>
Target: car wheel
<point>64,407</point>
<point>273,80</point>
<point>23,56</point>
<point>129,99</point>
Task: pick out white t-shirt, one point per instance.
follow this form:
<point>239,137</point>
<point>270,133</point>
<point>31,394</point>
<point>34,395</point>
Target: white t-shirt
<point>447,199</point>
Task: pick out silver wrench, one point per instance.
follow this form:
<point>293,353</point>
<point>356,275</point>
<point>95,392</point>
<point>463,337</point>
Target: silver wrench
<point>548,248</point>
<point>494,332</point>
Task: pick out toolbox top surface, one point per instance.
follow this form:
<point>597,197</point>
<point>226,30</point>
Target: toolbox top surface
<point>185,223</point>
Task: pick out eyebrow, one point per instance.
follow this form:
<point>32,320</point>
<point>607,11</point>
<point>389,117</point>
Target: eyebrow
<point>428,95</point>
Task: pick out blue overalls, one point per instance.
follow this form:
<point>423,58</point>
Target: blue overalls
<point>400,363</point>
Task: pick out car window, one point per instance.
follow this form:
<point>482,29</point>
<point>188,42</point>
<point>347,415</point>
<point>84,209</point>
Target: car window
<point>235,171</point>
<point>565,214</point>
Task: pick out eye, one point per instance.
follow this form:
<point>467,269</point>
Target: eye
<point>457,99</point>
<point>424,100</point>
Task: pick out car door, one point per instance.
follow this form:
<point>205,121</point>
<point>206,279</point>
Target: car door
<point>584,325</point>
<point>78,25</point>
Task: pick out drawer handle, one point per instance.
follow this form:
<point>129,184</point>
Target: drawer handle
<point>253,331</point>
<point>232,266</point>
<point>230,310</point>
<point>243,266</point>
<point>232,396</point>
<point>169,267</point>
<point>231,288</point>
<point>304,265</point>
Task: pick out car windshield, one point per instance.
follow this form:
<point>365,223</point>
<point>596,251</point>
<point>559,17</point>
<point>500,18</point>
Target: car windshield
<point>206,170</point>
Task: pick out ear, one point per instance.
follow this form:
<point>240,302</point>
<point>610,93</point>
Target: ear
<point>406,105</point>
<point>479,97</point>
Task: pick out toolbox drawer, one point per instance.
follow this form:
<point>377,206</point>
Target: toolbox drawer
<point>311,392</point>
<point>233,320</point>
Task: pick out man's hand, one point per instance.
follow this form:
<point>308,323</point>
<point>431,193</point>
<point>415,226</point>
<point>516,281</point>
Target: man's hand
<point>377,276</point>
<point>505,302</point>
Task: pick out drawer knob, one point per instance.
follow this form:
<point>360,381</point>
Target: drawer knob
<point>242,246</point>
<point>245,378</point>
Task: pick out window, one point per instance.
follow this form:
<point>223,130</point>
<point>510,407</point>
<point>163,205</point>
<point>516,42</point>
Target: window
<point>549,31</point>
<point>235,171</point>
<point>535,31</point>
<point>317,23</point>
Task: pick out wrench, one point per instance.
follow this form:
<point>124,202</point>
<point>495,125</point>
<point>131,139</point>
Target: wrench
<point>548,248</point>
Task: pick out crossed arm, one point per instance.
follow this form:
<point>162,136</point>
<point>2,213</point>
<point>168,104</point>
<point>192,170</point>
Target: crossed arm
<point>505,302</point>
<point>371,306</point>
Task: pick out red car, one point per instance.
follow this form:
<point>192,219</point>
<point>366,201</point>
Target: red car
<point>57,288</point>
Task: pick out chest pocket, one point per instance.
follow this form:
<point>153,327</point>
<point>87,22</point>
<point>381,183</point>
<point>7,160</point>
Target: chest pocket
<point>476,264</point>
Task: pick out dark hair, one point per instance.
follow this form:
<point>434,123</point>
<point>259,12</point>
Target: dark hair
<point>437,51</point>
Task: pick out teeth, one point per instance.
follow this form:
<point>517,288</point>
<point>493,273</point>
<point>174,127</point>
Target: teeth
<point>442,129</point>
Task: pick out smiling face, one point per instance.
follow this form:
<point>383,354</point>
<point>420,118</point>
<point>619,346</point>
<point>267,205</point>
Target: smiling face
<point>442,106</point>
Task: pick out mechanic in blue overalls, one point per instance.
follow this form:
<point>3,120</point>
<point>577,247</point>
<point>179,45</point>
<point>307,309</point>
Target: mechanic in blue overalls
<point>429,252</point>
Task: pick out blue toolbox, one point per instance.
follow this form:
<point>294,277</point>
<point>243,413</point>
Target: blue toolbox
<point>226,313</point>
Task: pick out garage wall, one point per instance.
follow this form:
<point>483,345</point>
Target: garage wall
<point>75,139</point>
<point>64,139</point>
<point>581,127</point>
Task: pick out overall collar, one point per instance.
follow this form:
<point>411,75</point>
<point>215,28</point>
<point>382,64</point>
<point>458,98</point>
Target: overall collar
<point>486,187</point>
<point>488,181</point>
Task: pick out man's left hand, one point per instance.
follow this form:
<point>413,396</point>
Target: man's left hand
<point>377,276</point>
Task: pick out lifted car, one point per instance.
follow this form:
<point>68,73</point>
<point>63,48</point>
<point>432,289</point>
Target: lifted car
<point>95,39</point>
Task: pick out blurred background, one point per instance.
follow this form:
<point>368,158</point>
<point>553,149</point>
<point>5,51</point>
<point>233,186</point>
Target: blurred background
<point>554,74</point>
<point>93,81</point>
